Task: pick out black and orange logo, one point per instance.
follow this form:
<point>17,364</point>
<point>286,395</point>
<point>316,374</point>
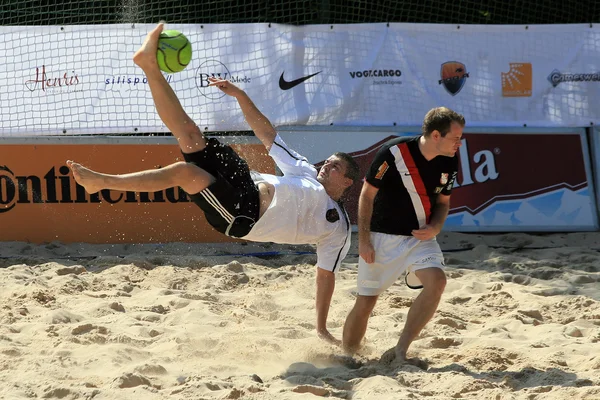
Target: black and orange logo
<point>453,76</point>
<point>382,170</point>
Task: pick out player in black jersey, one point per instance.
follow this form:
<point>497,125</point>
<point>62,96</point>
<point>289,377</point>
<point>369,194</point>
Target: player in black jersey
<point>403,205</point>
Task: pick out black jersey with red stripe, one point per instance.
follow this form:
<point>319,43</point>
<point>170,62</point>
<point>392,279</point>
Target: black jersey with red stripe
<point>408,185</point>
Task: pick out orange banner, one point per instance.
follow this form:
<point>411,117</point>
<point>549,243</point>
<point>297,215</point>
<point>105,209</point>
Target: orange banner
<point>41,202</point>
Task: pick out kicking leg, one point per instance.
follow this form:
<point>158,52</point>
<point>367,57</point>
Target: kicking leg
<point>167,104</point>
<point>189,177</point>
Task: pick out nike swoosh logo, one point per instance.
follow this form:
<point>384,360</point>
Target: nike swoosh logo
<point>285,85</point>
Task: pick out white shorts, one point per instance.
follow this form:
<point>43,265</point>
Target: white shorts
<point>395,254</point>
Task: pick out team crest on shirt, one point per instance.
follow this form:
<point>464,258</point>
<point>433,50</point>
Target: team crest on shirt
<point>444,179</point>
<point>332,215</point>
<point>382,169</point>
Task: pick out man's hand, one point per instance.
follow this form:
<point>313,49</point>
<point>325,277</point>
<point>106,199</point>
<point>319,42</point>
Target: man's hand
<point>225,86</point>
<point>366,251</point>
<point>426,232</point>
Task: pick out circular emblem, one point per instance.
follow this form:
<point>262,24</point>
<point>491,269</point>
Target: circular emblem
<point>211,68</point>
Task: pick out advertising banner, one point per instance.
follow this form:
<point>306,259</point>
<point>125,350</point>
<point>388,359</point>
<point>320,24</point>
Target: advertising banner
<point>595,151</point>
<point>82,79</point>
<point>41,202</point>
<point>509,179</point>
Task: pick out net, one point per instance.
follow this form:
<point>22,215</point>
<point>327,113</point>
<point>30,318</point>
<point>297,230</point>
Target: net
<point>68,12</point>
<point>67,65</point>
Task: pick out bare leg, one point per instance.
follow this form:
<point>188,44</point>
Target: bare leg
<point>325,287</point>
<point>189,177</point>
<point>167,104</point>
<point>422,309</point>
<point>355,326</point>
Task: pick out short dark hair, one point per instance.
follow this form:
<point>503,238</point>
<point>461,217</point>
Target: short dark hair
<point>440,119</point>
<point>352,168</point>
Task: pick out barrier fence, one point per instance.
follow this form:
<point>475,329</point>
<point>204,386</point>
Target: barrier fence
<point>509,180</point>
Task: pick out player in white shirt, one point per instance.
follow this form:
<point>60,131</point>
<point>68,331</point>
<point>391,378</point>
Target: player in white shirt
<point>300,207</point>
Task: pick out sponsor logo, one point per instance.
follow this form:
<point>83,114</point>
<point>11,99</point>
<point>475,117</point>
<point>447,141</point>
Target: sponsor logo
<point>382,170</point>
<point>453,76</point>
<point>429,260</point>
<point>444,178</point>
<point>56,186</point>
<point>485,165</point>
<point>556,77</point>
<point>517,82</point>
<point>285,85</point>
<point>49,82</point>
<point>391,74</point>
<point>215,69</point>
<point>129,82</point>
<point>488,174</point>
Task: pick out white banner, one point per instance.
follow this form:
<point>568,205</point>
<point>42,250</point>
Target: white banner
<point>81,79</point>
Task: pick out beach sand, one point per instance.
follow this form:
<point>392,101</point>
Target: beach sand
<point>520,319</point>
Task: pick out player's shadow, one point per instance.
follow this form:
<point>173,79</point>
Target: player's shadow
<point>325,371</point>
<point>98,258</point>
<point>339,371</point>
<point>528,377</point>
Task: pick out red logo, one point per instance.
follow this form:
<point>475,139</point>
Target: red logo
<point>488,172</point>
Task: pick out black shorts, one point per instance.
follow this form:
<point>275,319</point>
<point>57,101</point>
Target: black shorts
<point>231,204</point>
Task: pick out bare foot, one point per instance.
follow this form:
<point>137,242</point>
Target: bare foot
<point>395,357</point>
<point>145,57</point>
<point>328,337</point>
<point>356,348</point>
<point>90,180</point>
<point>389,356</point>
<point>346,361</point>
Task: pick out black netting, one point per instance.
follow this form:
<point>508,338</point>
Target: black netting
<point>71,12</point>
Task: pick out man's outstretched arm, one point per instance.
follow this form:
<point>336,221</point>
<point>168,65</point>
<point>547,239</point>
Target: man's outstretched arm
<point>258,122</point>
<point>325,288</point>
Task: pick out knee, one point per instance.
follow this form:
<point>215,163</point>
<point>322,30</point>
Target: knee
<point>324,275</point>
<point>190,133</point>
<point>436,282</point>
<point>365,304</point>
<point>184,175</point>
<point>182,171</point>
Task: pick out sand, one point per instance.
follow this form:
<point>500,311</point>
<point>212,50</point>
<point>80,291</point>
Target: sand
<point>520,319</point>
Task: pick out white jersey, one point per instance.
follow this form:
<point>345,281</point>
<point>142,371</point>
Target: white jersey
<point>301,211</point>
